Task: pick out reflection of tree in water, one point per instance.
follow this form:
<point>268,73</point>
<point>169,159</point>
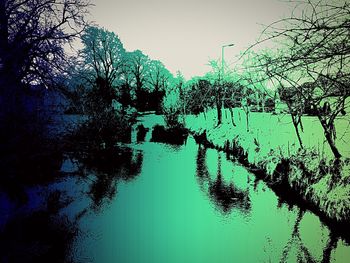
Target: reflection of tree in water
<point>103,188</point>
<point>332,242</point>
<point>141,133</point>
<point>304,254</point>
<point>45,235</point>
<point>201,168</point>
<point>131,165</point>
<point>107,167</point>
<point>225,196</point>
<point>39,236</point>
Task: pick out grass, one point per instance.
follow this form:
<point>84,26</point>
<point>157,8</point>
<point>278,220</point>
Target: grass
<point>271,139</point>
<point>274,132</point>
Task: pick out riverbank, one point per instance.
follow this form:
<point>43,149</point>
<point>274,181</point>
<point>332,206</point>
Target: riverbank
<point>270,148</point>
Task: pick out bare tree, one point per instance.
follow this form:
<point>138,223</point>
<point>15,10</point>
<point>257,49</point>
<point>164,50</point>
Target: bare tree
<point>103,55</point>
<point>159,79</point>
<point>32,38</point>
<point>159,76</point>
<point>138,64</point>
<point>314,62</point>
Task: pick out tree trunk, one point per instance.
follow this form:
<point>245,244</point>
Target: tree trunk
<point>219,106</point>
<point>232,116</point>
<point>219,112</point>
<point>247,119</point>
<point>329,136</point>
<point>331,143</point>
<point>295,123</point>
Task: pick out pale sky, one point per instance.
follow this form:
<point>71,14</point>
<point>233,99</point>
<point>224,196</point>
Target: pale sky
<point>185,34</point>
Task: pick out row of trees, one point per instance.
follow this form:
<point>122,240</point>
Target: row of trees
<point>308,70</point>
<point>110,85</point>
<point>233,90</point>
<point>103,80</point>
<point>34,37</point>
<point>131,78</point>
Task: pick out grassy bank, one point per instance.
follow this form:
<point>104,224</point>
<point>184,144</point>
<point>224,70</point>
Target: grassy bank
<point>270,146</point>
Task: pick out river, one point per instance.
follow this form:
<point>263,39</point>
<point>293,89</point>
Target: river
<point>189,204</point>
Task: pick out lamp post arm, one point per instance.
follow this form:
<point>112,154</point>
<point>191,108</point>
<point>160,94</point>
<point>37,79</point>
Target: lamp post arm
<point>222,60</point>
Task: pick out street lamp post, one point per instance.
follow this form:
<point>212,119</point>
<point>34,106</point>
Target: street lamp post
<point>219,99</point>
<point>222,58</point>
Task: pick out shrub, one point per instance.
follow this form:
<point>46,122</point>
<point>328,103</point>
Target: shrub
<point>173,135</point>
<point>172,117</point>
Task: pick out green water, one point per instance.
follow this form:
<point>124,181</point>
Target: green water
<point>190,204</point>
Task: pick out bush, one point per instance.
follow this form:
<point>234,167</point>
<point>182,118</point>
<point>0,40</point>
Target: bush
<point>172,117</point>
<point>100,132</point>
<point>108,120</point>
<point>173,135</point>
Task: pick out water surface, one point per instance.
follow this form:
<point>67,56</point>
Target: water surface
<point>190,204</point>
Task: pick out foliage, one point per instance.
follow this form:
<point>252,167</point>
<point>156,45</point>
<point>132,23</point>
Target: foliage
<point>199,96</point>
<point>108,120</point>
<point>171,117</point>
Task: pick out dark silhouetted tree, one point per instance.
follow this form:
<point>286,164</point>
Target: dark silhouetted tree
<point>159,80</point>
<point>32,38</point>
<point>103,55</point>
<point>138,64</point>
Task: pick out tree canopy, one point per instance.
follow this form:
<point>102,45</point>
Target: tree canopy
<point>103,55</point>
